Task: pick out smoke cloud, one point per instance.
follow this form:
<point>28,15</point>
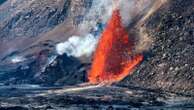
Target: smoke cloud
<point>100,11</point>
<point>78,46</point>
<point>131,8</point>
<point>84,45</point>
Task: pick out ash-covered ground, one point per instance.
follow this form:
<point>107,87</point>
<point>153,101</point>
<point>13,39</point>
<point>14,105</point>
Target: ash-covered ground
<point>34,76</point>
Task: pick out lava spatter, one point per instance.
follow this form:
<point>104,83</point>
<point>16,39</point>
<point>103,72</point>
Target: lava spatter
<point>113,59</point>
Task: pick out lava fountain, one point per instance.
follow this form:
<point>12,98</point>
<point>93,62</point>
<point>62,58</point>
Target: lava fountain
<point>113,59</point>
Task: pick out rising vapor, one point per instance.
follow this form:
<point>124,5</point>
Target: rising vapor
<point>77,46</point>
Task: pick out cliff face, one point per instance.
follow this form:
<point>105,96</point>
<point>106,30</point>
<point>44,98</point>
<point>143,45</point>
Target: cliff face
<point>30,18</point>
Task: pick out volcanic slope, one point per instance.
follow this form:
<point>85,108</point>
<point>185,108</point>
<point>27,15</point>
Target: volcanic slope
<point>169,64</point>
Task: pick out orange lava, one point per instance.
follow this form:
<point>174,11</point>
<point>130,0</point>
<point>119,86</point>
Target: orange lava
<point>113,59</point>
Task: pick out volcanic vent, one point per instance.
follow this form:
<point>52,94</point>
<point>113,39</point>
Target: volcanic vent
<point>113,58</point>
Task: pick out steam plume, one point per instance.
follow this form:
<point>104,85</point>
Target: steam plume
<point>78,46</point>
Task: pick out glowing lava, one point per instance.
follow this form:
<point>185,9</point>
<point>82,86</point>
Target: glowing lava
<point>113,59</point>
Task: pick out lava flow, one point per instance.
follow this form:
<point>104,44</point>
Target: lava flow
<point>113,58</point>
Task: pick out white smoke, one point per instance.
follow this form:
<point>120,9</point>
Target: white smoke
<point>101,10</point>
<point>126,11</point>
<point>78,46</point>
<point>131,8</point>
<point>17,59</point>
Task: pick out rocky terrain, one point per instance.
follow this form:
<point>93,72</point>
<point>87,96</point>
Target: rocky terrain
<point>169,63</point>
<point>50,81</point>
